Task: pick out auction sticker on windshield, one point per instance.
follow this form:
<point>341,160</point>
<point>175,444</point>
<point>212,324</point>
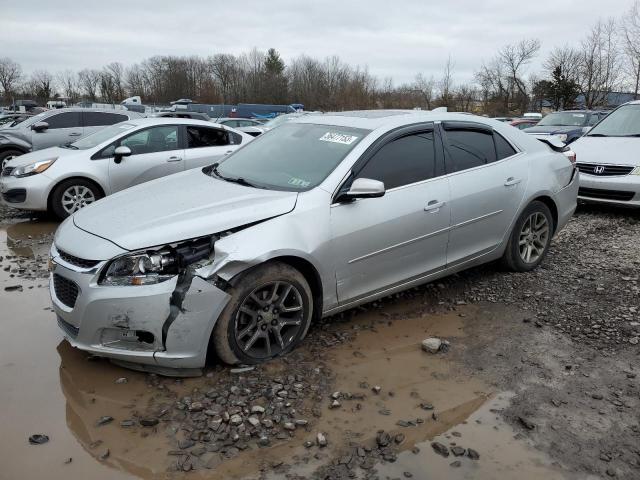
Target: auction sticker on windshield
<point>335,137</point>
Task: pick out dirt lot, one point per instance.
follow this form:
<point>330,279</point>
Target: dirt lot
<point>540,380</point>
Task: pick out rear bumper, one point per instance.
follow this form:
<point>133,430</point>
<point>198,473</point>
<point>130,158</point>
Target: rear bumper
<point>617,190</point>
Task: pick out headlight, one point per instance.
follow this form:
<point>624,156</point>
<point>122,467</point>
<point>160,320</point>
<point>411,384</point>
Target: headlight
<point>142,268</point>
<point>635,171</point>
<point>32,168</point>
<point>155,265</point>
<point>562,137</point>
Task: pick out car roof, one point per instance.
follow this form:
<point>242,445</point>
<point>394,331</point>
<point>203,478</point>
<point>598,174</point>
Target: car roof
<point>170,121</point>
<point>84,109</point>
<point>374,119</point>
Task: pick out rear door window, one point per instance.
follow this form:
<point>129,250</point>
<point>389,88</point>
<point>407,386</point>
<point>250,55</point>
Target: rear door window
<point>98,119</point>
<point>470,148</point>
<point>64,120</point>
<point>503,148</point>
<point>151,140</point>
<point>406,160</point>
<point>200,137</point>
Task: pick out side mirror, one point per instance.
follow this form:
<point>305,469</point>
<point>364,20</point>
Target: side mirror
<point>121,152</point>
<point>39,126</point>
<point>364,188</point>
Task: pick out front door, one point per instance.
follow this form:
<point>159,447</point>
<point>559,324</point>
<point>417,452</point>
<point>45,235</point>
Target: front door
<point>382,242</point>
<point>488,180</point>
<point>64,127</point>
<point>155,154</point>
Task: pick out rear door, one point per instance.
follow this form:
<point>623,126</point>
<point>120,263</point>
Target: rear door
<point>207,145</point>
<point>488,178</point>
<point>64,127</point>
<point>94,121</point>
<point>382,242</point>
<point>155,151</point>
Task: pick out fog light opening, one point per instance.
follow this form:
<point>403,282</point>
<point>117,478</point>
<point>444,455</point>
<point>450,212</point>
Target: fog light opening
<point>145,337</point>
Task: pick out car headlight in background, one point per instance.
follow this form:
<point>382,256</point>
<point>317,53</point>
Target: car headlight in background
<point>33,168</point>
<point>155,265</point>
<point>635,171</point>
<point>562,137</point>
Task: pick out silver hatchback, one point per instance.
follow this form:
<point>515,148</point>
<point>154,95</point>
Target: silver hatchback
<point>317,216</point>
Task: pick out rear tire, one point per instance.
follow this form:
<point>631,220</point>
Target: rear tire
<point>268,315</point>
<point>71,195</point>
<point>530,238</point>
<point>8,155</point>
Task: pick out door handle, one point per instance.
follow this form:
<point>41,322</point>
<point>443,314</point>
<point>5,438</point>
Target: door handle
<point>228,152</point>
<point>174,159</point>
<point>433,206</point>
<point>512,181</point>
<point>75,134</point>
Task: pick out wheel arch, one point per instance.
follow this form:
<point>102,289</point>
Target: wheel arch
<point>549,202</point>
<point>73,177</point>
<point>11,146</point>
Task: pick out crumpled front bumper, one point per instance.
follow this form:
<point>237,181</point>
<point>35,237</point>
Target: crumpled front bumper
<point>125,323</point>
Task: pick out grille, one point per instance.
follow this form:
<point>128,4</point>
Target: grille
<point>68,328</point>
<point>78,262</point>
<point>607,170</point>
<point>605,194</point>
<point>66,290</point>
<point>7,171</point>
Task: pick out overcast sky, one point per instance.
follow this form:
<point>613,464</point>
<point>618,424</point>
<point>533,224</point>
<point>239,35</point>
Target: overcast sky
<point>393,38</point>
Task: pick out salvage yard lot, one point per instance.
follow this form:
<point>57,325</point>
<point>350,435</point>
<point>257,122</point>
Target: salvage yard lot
<point>540,380</point>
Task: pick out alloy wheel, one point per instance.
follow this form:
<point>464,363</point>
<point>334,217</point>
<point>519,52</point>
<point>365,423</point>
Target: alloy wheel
<point>269,319</point>
<point>534,237</point>
<point>75,197</point>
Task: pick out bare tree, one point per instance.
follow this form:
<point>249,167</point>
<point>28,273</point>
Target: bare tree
<point>445,84</point>
<point>599,63</point>
<point>515,57</point>
<point>425,87</point>
<point>41,82</point>
<point>89,80</point>
<point>68,84</point>
<point>631,43</point>
<point>10,75</point>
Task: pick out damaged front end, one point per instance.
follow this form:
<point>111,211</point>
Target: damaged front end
<point>151,310</point>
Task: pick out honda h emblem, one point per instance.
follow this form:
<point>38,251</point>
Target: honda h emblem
<point>598,170</point>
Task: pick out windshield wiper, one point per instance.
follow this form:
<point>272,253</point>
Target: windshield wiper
<point>70,146</point>
<point>239,180</point>
<point>597,135</point>
<point>631,135</point>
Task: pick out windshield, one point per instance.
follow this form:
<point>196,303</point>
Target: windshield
<point>564,119</point>
<point>12,120</point>
<point>293,157</point>
<point>101,136</point>
<point>623,122</point>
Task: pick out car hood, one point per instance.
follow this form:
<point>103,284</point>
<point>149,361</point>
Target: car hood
<point>178,207</point>
<point>609,150</point>
<point>39,155</point>
<point>551,129</point>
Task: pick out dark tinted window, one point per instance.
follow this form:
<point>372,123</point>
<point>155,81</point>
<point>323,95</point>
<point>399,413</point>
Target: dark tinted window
<point>63,120</point>
<point>95,119</point>
<point>198,137</point>
<point>503,148</point>
<point>405,160</point>
<point>470,148</point>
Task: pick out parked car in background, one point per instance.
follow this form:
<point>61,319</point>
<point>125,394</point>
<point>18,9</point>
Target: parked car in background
<point>183,114</point>
<point>316,216</point>
<point>568,125</point>
<point>55,127</point>
<point>66,178</point>
<point>246,125</point>
<point>504,119</point>
<point>608,158</point>
<point>522,123</point>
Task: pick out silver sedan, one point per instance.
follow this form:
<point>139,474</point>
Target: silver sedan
<point>317,216</point>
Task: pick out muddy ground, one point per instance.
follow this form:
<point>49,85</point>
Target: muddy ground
<point>540,380</point>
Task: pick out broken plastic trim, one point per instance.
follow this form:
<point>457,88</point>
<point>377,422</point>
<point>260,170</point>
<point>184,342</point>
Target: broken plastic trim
<point>554,144</point>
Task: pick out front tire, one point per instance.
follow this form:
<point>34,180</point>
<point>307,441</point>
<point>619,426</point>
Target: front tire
<point>530,238</point>
<point>268,315</point>
<point>71,195</point>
